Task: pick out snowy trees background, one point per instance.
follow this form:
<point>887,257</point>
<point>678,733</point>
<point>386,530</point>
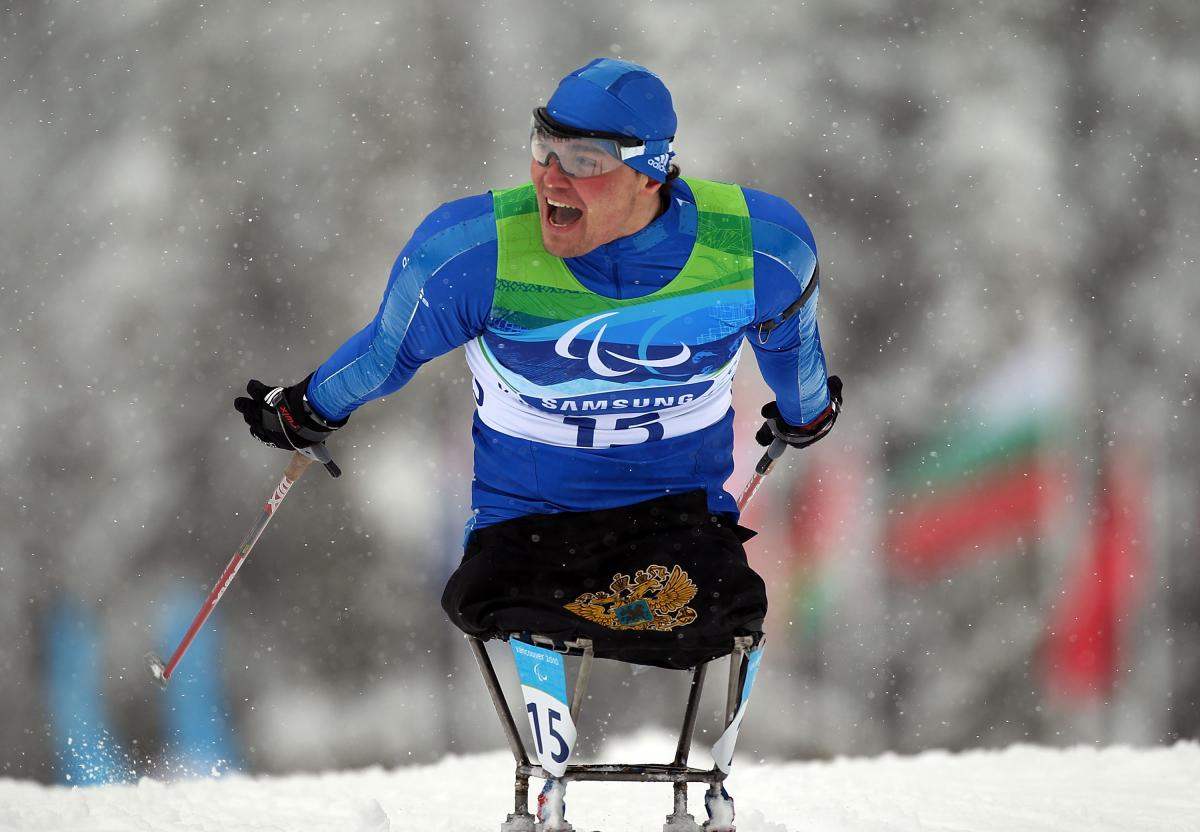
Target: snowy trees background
<point>197,194</point>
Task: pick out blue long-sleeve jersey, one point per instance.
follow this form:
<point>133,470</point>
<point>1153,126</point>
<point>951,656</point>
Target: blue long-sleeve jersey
<point>440,296</point>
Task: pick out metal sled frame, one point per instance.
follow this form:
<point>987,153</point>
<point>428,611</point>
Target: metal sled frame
<point>677,772</point>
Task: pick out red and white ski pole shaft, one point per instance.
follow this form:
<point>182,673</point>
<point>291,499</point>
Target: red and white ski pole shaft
<point>300,460</point>
<point>764,466</point>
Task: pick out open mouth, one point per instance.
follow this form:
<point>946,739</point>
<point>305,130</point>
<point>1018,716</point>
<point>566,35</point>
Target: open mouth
<point>560,215</point>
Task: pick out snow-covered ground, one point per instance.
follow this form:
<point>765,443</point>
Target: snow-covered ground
<point>1021,789</point>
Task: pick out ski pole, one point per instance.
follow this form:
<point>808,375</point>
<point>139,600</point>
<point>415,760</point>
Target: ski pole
<point>764,466</point>
<point>300,460</point>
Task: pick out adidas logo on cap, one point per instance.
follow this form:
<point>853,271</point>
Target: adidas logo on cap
<point>659,162</point>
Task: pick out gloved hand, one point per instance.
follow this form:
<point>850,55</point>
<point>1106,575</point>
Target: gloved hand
<point>281,416</point>
<point>801,436</point>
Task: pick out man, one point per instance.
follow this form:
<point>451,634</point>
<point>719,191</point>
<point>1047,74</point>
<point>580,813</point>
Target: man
<point>602,307</point>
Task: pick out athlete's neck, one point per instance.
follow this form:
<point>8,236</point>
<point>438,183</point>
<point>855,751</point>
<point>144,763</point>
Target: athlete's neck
<point>639,264</point>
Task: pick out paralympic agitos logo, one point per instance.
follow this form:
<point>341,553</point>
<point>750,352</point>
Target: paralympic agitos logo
<point>596,363</point>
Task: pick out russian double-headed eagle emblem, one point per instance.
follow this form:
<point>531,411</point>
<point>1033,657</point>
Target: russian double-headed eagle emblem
<point>654,599</point>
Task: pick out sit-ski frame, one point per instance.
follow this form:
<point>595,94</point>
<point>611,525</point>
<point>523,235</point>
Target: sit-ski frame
<point>677,772</point>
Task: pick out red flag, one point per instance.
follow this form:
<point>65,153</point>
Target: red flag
<point>1083,644</point>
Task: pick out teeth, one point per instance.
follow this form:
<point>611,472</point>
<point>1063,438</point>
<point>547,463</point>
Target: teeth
<point>558,204</point>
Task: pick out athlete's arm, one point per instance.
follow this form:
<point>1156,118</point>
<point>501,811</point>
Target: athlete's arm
<point>786,340</point>
<point>437,298</point>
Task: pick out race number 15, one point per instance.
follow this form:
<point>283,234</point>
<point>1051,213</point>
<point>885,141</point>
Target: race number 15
<point>548,732</point>
<point>585,436</point>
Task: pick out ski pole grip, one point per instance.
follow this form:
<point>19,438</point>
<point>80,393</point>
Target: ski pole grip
<point>773,452</point>
<point>319,453</point>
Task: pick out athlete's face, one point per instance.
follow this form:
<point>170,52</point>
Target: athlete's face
<point>581,214</point>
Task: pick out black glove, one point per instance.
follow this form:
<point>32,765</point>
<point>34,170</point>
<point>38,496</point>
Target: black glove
<point>281,416</point>
<point>804,435</point>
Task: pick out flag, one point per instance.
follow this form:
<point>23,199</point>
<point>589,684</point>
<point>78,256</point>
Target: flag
<point>1082,648</point>
<point>996,475</point>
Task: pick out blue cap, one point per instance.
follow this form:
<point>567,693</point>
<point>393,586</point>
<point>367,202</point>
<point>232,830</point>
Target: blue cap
<point>615,96</point>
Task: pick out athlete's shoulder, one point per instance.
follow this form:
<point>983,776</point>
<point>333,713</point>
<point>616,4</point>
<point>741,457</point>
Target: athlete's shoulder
<point>469,214</point>
<point>770,211</point>
<point>454,228</point>
<point>785,256</point>
<point>777,225</point>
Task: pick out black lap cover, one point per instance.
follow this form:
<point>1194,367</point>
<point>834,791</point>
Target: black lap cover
<point>662,583</point>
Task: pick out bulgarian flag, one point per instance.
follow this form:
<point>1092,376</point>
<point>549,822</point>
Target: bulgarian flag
<point>995,477</point>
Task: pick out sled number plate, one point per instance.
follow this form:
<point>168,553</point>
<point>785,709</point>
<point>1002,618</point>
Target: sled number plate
<point>544,686</point>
